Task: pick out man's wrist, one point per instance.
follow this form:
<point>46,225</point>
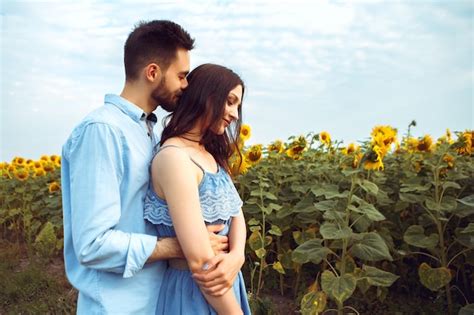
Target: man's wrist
<point>166,248</point>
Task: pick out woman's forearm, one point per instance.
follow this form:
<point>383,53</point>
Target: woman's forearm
<point>237,234</point>
<point>224,304</point>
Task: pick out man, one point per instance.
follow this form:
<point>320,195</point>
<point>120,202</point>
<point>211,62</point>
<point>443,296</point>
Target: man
<point>112,256</point>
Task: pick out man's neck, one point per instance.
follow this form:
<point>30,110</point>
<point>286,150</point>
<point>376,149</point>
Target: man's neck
<point>139,97</point>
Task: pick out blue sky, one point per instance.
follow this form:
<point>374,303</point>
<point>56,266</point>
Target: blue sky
<point>342,67</point>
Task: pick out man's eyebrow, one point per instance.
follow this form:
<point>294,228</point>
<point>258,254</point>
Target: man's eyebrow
<point>185,73</point>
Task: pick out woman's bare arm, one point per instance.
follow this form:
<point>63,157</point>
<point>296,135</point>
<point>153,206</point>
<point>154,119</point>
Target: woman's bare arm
<point>175,174</point>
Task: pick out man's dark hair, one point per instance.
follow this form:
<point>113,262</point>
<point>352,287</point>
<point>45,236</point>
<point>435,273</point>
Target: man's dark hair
<point>154,41</point>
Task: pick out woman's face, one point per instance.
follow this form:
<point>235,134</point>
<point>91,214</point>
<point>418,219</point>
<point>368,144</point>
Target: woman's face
<point>231,111</point>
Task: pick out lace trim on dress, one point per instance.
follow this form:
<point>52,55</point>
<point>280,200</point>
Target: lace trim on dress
<point>216,204</point>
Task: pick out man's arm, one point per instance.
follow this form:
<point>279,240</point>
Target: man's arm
<point>95,171</point>
<point>169,247</point>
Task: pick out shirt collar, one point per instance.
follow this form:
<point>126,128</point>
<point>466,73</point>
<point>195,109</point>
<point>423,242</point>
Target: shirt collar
<point>130,109</point>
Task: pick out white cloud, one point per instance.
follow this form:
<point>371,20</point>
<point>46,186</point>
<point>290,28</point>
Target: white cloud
<point>308,65</point>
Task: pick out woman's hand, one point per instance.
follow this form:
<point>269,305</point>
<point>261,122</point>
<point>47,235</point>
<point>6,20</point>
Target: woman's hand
<point>220,273</point>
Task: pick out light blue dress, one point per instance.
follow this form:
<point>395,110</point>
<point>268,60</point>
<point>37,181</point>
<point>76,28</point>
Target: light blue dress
<point>179,293</point>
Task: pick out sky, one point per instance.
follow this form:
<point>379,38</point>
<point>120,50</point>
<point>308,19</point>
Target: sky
<point>309,66</point>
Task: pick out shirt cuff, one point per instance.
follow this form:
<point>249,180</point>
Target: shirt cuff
<point>140,249</point>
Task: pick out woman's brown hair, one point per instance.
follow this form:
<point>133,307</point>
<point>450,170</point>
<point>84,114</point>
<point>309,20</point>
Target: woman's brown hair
<point>204,99</point>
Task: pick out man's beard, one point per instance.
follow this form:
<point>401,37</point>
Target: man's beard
<point>165,98</point>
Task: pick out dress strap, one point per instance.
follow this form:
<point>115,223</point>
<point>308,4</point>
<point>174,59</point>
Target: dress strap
<point>192,160</point>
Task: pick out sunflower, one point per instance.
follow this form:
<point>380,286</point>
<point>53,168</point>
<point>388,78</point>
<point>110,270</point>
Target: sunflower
<point>449,159</point>
<point>48,166</point>
<point>3,165</point>
<point>411,144</point>
<point>44,158</point>
<point>37,165</point>
<point>254,154</point>
<point>465,143</point>
<point>357,158</point>
<point>295,152</point>
<point>276,146</point>
<point>39,172</point>
<point>425,144</point>
<point>237,167</point>
<point>447,138</point>
<point>297,147</point>
<point>19,161</point>
<point>53,187</point>
<point>21,174</point>
<point>11,168</point>
<point>245,132</point>
<point>351,148</point>
<point>374,159</point>
<point>383,136</point>
<point>325,138</point>
<point>54,158</point>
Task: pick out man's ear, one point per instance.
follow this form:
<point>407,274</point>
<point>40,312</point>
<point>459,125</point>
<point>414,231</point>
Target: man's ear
<point>153,72</point>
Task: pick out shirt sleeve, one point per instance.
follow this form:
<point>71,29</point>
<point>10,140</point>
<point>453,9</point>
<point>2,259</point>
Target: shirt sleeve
<point>96,170</point>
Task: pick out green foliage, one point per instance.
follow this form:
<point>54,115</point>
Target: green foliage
<point>30,289</point>
<point>317,214</point>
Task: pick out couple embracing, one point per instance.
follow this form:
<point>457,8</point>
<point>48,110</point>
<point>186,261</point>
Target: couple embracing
<point>153,223</point>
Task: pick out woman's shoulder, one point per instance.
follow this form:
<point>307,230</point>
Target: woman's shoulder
<point>171,156</point>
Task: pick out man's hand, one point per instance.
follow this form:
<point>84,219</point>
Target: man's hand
<point>219,243</point>
<point>220,274</point>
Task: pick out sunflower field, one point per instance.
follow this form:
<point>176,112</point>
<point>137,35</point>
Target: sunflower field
<point>385,226</point>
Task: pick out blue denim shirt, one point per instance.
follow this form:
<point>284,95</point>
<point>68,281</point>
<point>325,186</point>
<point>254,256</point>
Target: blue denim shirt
<point>105,176</point>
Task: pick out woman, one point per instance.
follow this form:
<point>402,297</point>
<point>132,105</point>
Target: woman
<point>191,187</point>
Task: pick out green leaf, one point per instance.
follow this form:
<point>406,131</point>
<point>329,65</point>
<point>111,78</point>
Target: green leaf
<point>468,200</point>
<point>261,252</point>
<point>313,303</point>
<point>285,259</point>
<point>269,195</point>
<point>467,310</point>
<point>278,267</point>
<point>369,187</point>
<point>274,206</point>
<point>255,240</point>
<point>469,229</point>
<point>325,205</point>
<point>371,247</point>
<point>330,231</point>
<point>339,288</point>
<point>433,278</point>
<point>454,185</point>
<point>311,250</point>
<point>412,198</point>
<point>360,223</point>
<point>377,277</point>
<point>371,212</point>
<point>255,228</point>
<point>253,221</point>
<point>415,187</point>
<point>305,206</point>
<point>275,230</point>
<point>415,235</point>
<point>284,212</point>
<point>334,215</point>
<point>329,191</point>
